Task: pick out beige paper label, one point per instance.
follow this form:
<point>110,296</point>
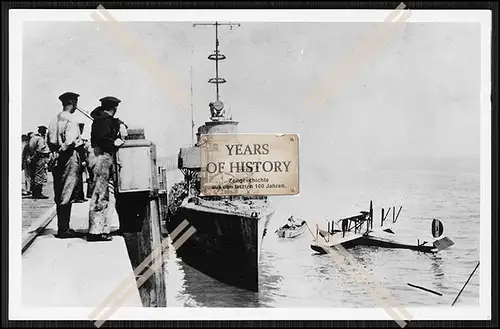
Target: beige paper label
<point>249,164</point>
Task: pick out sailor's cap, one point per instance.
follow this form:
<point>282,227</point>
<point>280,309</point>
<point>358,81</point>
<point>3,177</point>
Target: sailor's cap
<point>42,127</point>
<point>109,101</point>
<point>68,96</point>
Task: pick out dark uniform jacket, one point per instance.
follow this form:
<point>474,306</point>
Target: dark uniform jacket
<point>105,130</point>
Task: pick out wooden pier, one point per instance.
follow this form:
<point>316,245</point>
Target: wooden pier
<point>74,272</point>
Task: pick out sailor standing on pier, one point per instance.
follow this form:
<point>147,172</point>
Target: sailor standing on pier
<point>64,138</point>
<point>39,153</point>
<point>105,139</point>
<point>26,188</point>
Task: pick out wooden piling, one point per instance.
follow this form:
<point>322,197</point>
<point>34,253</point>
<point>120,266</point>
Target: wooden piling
<point>159,291</point>
<point>139,214</point>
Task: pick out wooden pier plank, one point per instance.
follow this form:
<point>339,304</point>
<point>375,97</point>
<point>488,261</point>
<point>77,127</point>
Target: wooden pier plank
<point>33,209</point>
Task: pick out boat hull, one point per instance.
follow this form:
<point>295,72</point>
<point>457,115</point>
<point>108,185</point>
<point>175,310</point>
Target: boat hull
<point>225,246</point>
<point>290,233</point>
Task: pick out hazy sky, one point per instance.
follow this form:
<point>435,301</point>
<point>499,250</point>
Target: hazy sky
<point>419,96</point>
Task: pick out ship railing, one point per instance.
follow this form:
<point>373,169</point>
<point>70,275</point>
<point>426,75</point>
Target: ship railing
<point>227,208</point>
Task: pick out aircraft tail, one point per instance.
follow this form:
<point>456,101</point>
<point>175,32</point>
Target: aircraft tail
<point>443,243</point>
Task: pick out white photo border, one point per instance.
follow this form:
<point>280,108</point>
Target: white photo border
<point>16,310</point>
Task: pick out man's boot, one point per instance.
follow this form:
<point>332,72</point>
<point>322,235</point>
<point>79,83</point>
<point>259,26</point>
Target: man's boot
<point>99,237</point>
<point>37,192</point>
<point>63,218</point>
<point>34,192</point>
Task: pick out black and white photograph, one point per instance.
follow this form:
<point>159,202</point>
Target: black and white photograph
<point>389,114</point>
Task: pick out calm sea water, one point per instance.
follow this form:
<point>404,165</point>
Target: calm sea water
<point>293,275</point>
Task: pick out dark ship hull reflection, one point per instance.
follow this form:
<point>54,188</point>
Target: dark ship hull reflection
<point>200,290</point>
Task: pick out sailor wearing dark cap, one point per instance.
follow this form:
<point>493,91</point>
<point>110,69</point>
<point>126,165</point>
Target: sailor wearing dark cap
<point>64,138</point>
<point>109,102</point>
<point>69,98</point>
<point>38,155</point>
<point>105,141</point>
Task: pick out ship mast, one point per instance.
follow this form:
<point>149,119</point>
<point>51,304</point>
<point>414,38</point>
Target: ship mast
<point>217,106</point>
<point>192,112</point>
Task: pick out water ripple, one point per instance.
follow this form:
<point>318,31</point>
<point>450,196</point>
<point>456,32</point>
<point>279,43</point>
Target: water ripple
<point>292,275</point>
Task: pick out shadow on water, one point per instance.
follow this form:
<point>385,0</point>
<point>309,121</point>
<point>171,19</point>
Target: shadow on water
<point>204,291</point>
